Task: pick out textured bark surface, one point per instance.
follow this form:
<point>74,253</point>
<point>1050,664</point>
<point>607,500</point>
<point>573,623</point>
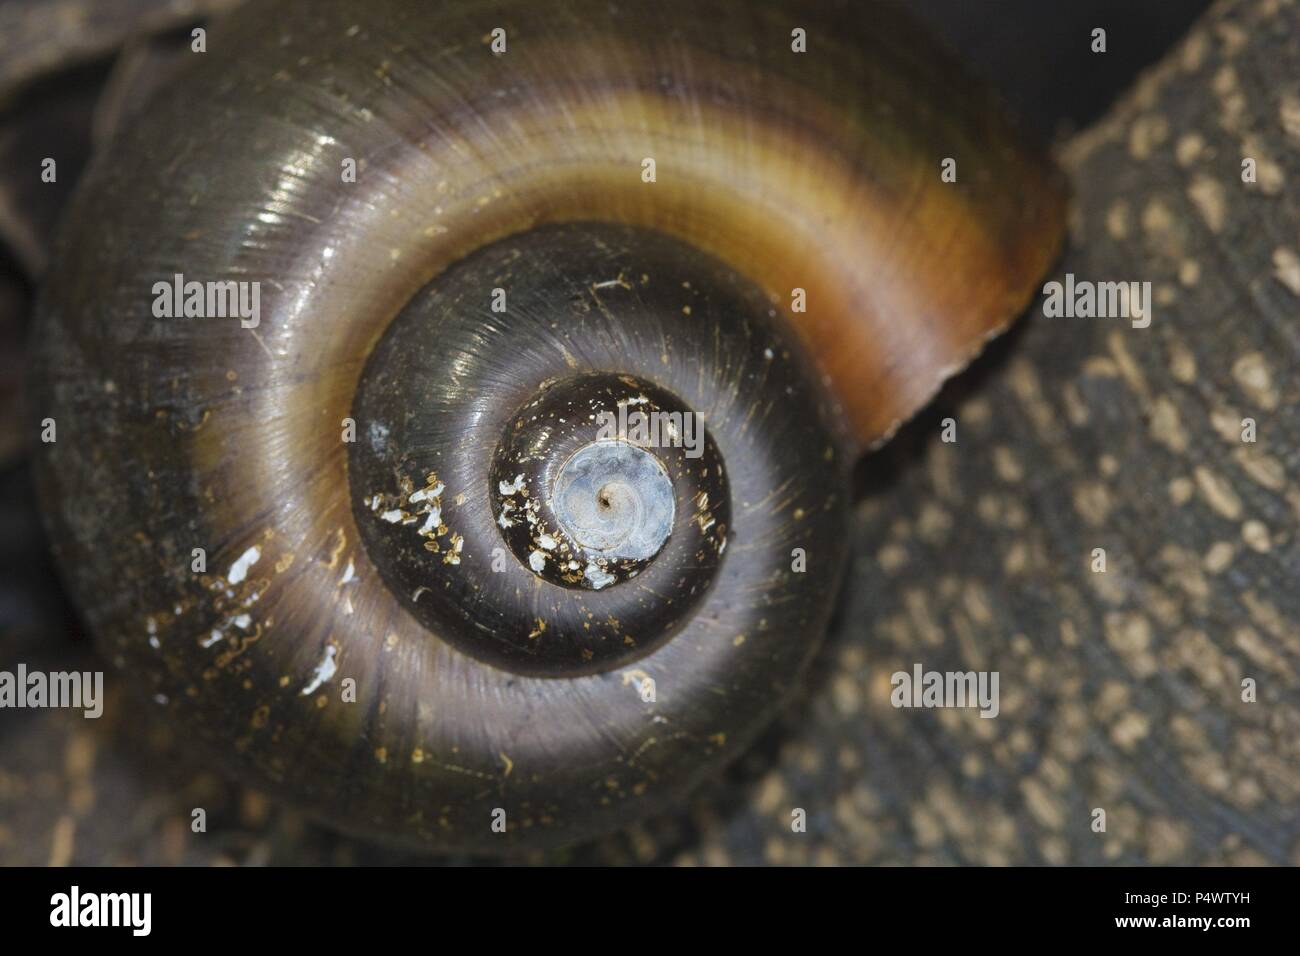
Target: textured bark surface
<point>1119,690</point>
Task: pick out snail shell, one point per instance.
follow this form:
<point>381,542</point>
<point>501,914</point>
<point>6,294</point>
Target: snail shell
<point>474,601</point>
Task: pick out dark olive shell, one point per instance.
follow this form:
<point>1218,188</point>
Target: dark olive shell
<point>792,202</point>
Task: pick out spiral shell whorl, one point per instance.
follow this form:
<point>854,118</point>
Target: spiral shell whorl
<point>458,707</point>
<point>477,417</point>
<point>774,172</point>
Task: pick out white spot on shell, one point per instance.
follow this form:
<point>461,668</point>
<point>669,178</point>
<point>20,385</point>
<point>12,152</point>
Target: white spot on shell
<point>239,570</point>
<point>324,670</point>
<point>432,521</point>
<point>598,576</point>
<point>537,561</point>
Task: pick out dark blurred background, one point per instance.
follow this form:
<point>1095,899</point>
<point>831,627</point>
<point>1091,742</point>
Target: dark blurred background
<point>1038,53</point>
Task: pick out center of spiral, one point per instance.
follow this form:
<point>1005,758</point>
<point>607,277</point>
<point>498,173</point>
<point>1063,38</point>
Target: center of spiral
<point>587,495</point>
<point>615,500</point>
